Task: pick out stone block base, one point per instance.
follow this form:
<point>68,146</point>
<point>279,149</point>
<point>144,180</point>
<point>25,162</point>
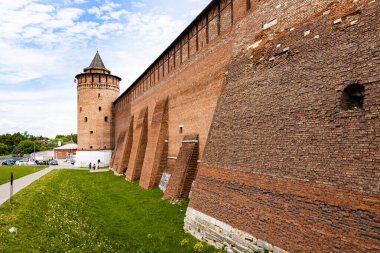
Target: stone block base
<point>221,235</point>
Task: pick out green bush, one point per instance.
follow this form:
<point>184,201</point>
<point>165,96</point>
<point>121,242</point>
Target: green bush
<point>198,247</point>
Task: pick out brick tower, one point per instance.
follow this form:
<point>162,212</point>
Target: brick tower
<point>97,89</point>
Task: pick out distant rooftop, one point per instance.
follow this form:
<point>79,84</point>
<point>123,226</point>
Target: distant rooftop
<point>68,146</point>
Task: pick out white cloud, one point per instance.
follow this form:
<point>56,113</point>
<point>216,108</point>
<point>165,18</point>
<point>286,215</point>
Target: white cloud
<point>138,4</point>
<point>44,44</point>
<point>195,12</point>
<point>80,1</point>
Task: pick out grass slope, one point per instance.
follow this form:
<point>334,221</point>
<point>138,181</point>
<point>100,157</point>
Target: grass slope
<point>18,171</point>
<point>77,211</point>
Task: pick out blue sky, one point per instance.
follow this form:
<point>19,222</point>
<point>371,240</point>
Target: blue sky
<point>45,43</point>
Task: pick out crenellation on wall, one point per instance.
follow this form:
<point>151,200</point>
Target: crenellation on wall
<point>189,44</point>
<point>282,159</point>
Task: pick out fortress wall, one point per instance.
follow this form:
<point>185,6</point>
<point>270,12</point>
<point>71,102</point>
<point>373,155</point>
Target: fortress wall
<point>190,74</point>
<point>287,165</point>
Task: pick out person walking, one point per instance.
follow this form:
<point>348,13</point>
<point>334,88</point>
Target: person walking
<point>89,166</point>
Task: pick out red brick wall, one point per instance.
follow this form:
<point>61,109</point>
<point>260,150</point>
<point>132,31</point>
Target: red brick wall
<point>157,147</point>
<point>284,161</point>
<point>191,76</point>
<point>137,155</point>
<point>185,169</point>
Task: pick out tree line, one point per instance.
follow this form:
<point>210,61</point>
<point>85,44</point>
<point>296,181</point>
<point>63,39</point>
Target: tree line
<point>25,143</point>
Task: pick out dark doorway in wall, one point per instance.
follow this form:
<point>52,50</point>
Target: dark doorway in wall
<point>353,97</point>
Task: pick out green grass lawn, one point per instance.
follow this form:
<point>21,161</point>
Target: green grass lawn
<point>77,211</point>
<point>18,171</point>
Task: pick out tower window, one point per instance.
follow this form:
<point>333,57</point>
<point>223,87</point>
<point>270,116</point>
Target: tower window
<point>106,119</point>
<point>353,97</point>
<point>91,132</point>
<point>180,129</point>
<point>100,108</point>
<point>91,147</point>
<point>80,109</point>
<point>98,95</point>
<point>85,119</point>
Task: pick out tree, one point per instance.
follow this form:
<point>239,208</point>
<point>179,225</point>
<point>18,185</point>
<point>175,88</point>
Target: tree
<point>4,149</point>
<point>25,147</point>
<point>75,137</point>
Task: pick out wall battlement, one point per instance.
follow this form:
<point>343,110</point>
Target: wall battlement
<point>273,108</point>
<point>216,20</point>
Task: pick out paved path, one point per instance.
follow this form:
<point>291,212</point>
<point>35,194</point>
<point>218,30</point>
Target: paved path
<point>23,182</point>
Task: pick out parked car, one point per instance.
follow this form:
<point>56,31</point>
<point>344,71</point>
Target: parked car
<point>8,163</point>
<point>21,163</point>
<point>31,162</point>
<point>54,162</point>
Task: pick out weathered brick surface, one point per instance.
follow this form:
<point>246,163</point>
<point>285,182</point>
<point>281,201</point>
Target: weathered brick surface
<point>284,161</point>
<point>125,149</point>
<point>192,85</point>
<point>115,159</point>
<point>155,162</point>
<point>185,169</point>
<point>140,137</point>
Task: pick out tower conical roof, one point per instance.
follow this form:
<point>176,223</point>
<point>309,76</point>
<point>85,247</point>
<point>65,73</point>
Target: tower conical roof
<point>97,62</point>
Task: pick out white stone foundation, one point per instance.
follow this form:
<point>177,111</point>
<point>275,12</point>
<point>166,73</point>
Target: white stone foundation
<point>221,235</point>
<point>83,158</point>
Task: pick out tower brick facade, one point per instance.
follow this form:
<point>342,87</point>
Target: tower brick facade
<point>97,89</point>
